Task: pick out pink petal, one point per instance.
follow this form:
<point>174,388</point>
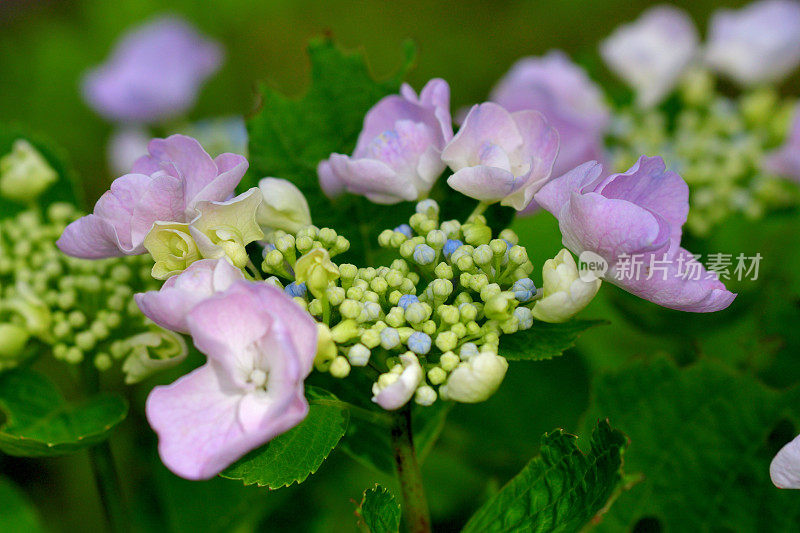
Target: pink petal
<point>185,158</point>
<point>373,179</point>
<point>557,192</point>
<point>90,237</point>
<point>231,168</point>
<point>485,123</point>
<point>785,467</point>
<point>487,184</point>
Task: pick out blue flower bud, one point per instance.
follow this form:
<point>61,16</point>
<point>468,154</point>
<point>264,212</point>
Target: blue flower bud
<point>406,300</point>
<point>424,254</point>
<point>295,289</point>
<point>419,343</point>
<point>405,229</point>
<point>450,246</point>
<point>524,290</point>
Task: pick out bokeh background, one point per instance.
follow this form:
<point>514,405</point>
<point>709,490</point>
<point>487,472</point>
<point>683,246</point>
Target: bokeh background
<point>46,46</point>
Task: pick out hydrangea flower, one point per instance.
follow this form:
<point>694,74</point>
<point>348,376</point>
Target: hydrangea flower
<point>283,207</point>
<point>170,306</point>
<point>499,156</point>
<point>570,101</point>
<point>785,467</point>
<point>154,73</point>
<point>260,347</point>
<point>397,156</point>
<point>756,44</point>
<point>165,186</point>
<point>635,218</point>
<point>653,52</point>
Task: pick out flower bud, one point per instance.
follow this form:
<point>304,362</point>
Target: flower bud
<point>436,239</point>
<point>450,246</point>
<point>419,343</point>
<point>326,348</point>
<point>524,316</point>
<point>476,234</point>
<point>509,235</point>
<point>316,270</point>
<point>448,313</point>
<point>490,291</point>
<point>396,317</point>
<point>393,393</point>
<point>468,350</point>
<point>390,338</point>
<point>482,255</point>
<point>425,396</point>
<point>436,375</point>
<point>517,255</point>
<point>344,331</point>
<point>564,292</point>
<point>358,355</point>
<point>449,361</point>
<point>340,367</point>
<point>424,254</point>
<point>429,208</point>
<point>13,339</point>
<point>416,313</point>
<point>475,380</point>
<point>524,290</point>
<point>25,173</point>
<point>283,206</point>
<point>172,247</point>
<point>446,341</point>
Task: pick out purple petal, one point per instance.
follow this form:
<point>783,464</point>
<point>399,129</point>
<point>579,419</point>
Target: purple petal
<point>373,179</point>
<point>90,237</point>
<point>785,467</point>
<point>557,192</point>
<point>487,184</point>
<point>486,124</point>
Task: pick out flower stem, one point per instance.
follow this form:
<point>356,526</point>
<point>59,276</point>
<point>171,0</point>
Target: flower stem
<point>479,209</point>
<point>415,506</point>
<point>102,461</point>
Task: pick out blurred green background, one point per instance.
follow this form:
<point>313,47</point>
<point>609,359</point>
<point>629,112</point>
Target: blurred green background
<point>45,47</point>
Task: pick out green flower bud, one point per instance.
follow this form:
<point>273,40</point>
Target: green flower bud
<point>517,255</point>
<point>468,312</point>
<point>345,331</point>
<point>326,348</point>
<point>340,246</point>
<point>444,271</point>
<point>490,291</point>
<point>429,208</point>
<point>501,306</point>
<point>13,340</point>
<point>74,355</point>
<point>479,281</point>
<point>446,341</point>
<point>355,293</point>
<point>25,173</point>
<point>448,313</point>
<point>473,328</point>
<point>371,338</point>
<point>464,263</point>
<point>314,307</point>
<point>358,355</point>
<point>482,255</point>
<point>400,265</point>
<point>429,327</point>
<point>449,361</point>
<point>451,228</point>
<point>394,297</point>
<point>283,206</point>
<point>304,244</point>
<point>509,235</point>
<point>385,238</point>
<point>425,395</point>
<point>316,270</point>
<point>436,239</point>
<point>396,317</point>
<point>396,239</point>
<point>76,319</point>
<point>340,367</point>
<point>379,285</point>
<point>103,362</point>
<point>335,295</point>
<point>476,233</point>
<point>442,288</point>
<point>436,375</point>
<point>475,380</point>
<point>405,333</point>
<point>416,313</point>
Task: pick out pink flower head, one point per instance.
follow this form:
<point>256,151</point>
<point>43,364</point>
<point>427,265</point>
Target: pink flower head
<point>170,306</point>
<point>785,161</point>
<point>785,467</point>
<point>630,219</point>
<point>154,72</point>
<point>499,156</point>
<point>397,156</point>
<point>653,52</point>
<point>260,347</point>
<point>759,43</point>
<point>570,101</point>
<point>164,186</point>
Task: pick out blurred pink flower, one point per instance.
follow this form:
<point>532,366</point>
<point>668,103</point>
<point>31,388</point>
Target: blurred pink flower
<point>570,101</point>
<point>154,72</point>
<point>785,467</point>
<point>759,43</point>
<point>785,161</point>
<point>260,347</point>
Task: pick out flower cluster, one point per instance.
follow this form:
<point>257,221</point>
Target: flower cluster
<point>75,309</point>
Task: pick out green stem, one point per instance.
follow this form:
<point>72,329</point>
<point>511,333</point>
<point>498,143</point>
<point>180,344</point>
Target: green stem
<point>102,461</point>
<point>415,506</point>
<point>479,209</point>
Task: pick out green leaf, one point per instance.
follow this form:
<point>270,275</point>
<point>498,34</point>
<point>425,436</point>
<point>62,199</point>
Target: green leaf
<point>544,340</point>
<point>39,422</point>
<point>17,515</point>
<point>66,189</point>
<point>379,511</point>
<point>703,437</point>
<point>289,137</point>
<point>298,453</point>
<point>561,490</point>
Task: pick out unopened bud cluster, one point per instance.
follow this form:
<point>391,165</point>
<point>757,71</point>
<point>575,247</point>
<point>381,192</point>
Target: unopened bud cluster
<point>78,309</point>
<point>444,301</point>
<point>718,145</point>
